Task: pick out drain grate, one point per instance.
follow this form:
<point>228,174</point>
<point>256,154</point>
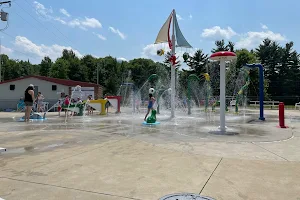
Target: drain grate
<point>185,196</point>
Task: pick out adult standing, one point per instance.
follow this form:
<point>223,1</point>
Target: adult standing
<point>28,100</point>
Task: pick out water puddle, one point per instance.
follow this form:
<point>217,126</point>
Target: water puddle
<point>31,149</point>
<point>52,146</point>
<point>22,150</point>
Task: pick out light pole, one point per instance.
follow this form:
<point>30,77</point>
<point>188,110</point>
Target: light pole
<point>4,17</point>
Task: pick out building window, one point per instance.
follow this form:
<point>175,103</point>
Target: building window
<point>12,87</point>
<point>54,87</point>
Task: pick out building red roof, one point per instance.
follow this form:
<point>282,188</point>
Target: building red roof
<point>65,82</point>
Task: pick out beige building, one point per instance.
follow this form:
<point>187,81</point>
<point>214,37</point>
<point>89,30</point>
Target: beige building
<point>12,90</point>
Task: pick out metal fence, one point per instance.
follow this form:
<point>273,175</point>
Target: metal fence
<point>287,100</point>
<point>11,104</point>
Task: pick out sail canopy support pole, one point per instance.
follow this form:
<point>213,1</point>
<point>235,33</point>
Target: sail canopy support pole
<point>177,37</point>
<point>173,72</point>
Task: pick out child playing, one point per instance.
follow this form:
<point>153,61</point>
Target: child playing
<point>150,105</point>
<point>59,106</point>
<point>107,104</point>
<point>66,103</point>
<point>90,109</point>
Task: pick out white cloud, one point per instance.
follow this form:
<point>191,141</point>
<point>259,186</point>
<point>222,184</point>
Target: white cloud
<point>150,51</point>
<point>121,59</point>
<point>217,33</point>
<point>116,31</point>
<point>263,26</point>
<point>60,20</point>
<point>40,9</point>
<point>85,23</point>
<point>95,56</point>
<point>190,16</point>
<point>6,50</point>
<point>54,51</point>
<point>179,17</point>
<point>75,22</point>
<point>91,22</point>
<point>253,39</point>
<point>247,40</point>
<point>64,12</point>
<point>100,36</point>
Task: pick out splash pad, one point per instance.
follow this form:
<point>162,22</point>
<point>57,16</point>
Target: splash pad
<point>35,117</point>
<point>150,124</point>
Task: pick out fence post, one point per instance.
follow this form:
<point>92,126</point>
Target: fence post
<point>281,115</point>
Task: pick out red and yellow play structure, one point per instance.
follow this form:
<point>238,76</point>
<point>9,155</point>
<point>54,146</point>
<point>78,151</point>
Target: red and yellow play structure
<point>99,104</point>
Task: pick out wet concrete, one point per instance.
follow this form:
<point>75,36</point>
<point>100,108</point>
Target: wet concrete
<point>116,156</point>
<point>240,129</point>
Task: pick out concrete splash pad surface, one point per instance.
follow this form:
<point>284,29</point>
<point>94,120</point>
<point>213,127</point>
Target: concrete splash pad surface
<point>115,157</point>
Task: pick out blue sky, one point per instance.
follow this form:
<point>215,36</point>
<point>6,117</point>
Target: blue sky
<point>128,29</point>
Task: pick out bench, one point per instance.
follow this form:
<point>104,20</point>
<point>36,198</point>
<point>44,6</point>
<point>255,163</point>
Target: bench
<point>271,104</point>
<point>232,103</point>
<point>45,106</point>
<point>297,105</point>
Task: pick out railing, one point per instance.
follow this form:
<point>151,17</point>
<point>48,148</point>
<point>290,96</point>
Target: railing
<point>13,104</point>
<point>297,105</point>
<point>271,104</point>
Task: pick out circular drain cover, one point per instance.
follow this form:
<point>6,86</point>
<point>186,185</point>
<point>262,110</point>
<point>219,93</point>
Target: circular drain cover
<point>185,196</point>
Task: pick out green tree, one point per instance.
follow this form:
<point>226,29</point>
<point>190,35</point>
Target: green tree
<point>60,69</point>
<point>90,64</point>
<point>230,46</point>
<point>198,62</point>
<point>221,46</point>
<point>45,66</point>
<point>289,71</point>
<point>26,68</point>
<point>112,80</point>
<point>270,54</point>
<point>141,69</point>
<point>77,71</point>
<point>68,54</point>
<point>244,57</point>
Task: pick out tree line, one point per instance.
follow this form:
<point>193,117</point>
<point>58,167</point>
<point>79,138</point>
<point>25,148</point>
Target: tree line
<point>281,69</point>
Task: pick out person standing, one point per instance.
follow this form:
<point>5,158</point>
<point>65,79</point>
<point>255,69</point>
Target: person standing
<point>40,102</point>
<point>59,104</point>
<point>107,104</point>
<point>90,109</point>
<point>151,103</point>
<point>67,103</point>
<point>28,100</point>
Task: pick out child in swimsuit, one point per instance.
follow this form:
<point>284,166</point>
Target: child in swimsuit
<point>66,103</point>
<point>150,105</point>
